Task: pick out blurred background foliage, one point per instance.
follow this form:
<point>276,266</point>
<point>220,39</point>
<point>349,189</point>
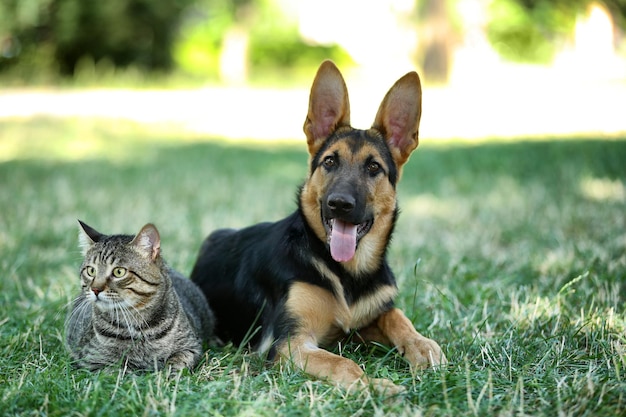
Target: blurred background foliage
<point>533,30</point>
<point>43,41</point>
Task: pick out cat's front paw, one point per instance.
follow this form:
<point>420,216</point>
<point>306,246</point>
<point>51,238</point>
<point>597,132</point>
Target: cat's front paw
<point>182,360</point>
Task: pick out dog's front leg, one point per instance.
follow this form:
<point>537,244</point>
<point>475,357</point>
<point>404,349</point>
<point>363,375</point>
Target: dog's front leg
<point>315,310</point>
<point>418,350</point>
<point>307,356</point>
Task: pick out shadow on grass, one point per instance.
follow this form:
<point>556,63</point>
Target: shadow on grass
<point>461,198</point>
<point>558,164</point>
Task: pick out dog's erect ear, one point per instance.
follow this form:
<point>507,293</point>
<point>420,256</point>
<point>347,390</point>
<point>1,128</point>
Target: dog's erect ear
<point>398,117</point>
<point>329,107</point>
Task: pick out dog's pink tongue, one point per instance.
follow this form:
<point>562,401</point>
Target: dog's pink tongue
<point>342,241</point>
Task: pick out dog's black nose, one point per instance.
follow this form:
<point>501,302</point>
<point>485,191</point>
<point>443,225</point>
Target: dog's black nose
<point>340,203</point>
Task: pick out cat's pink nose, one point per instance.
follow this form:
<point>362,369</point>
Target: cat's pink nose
<point>96,291</point>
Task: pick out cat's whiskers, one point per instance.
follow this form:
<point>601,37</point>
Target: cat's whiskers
<point>118,320</point>
<point>80,310</point>
<point>133,324</point>
<point>121,320</point>
<point>133,321</point>
<point>139,318</point>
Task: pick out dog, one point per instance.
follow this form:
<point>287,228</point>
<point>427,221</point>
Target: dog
<point>291,287</point>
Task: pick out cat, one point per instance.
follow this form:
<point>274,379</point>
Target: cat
<point>133,309</point>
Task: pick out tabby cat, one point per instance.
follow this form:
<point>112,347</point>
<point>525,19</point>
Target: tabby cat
<point>133,309</point>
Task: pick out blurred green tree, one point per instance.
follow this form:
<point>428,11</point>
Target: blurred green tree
<point>532,30</point>
<point>270,36</point>
<point>275,41</point>
<point>127,32</point>
<point>202,29</point>
<point>55,35</point>
<point>439,32</point>
<point>69,37</point>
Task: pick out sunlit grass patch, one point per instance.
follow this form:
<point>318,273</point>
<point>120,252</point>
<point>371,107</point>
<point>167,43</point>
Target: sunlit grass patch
<point>118,140</point>
<point>603,189</point>
<point>70,139</point>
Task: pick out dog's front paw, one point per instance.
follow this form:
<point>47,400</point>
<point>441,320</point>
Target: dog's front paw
<point>418,350</point>
<point>422,352</point>
<point>386,387</point>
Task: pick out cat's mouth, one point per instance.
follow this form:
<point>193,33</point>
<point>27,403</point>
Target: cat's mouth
<point>103,301</point>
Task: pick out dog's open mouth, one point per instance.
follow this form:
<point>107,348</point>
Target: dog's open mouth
<point>343,237</point>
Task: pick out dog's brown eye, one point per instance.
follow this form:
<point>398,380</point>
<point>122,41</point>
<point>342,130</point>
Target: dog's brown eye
<point>373,167</point>
<point>329,161</point>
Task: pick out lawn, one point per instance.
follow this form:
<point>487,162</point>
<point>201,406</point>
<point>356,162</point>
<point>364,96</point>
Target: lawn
<point>511,254</point>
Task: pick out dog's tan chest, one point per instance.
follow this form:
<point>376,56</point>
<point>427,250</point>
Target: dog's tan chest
<point>327,314</point>
<point>367,309</point>
<point>327,317</point>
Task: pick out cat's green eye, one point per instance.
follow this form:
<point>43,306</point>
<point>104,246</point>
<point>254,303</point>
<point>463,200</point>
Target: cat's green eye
<point>119,272</point>
<point>91,271</point>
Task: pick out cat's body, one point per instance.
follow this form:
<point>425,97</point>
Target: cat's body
<point>133,309</point>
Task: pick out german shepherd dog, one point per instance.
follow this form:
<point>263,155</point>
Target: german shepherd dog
<point>309,280</point>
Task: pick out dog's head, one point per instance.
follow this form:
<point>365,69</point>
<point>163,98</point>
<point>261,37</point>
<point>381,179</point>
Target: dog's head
<point>350,198</point>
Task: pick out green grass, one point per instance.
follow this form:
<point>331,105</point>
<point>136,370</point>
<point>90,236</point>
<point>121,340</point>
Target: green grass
<point>511,254</point>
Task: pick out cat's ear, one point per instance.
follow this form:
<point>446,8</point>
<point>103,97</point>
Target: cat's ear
<point>148,241</point>
<point>87,236</point>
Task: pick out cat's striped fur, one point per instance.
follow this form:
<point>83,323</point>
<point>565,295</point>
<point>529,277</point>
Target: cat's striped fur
<point>133,310</point>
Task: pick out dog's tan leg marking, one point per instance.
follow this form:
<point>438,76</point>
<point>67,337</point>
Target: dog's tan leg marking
<point>418,350</point>
<point>315,310</point>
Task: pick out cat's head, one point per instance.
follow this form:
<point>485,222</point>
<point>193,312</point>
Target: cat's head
<point>120,270</point>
